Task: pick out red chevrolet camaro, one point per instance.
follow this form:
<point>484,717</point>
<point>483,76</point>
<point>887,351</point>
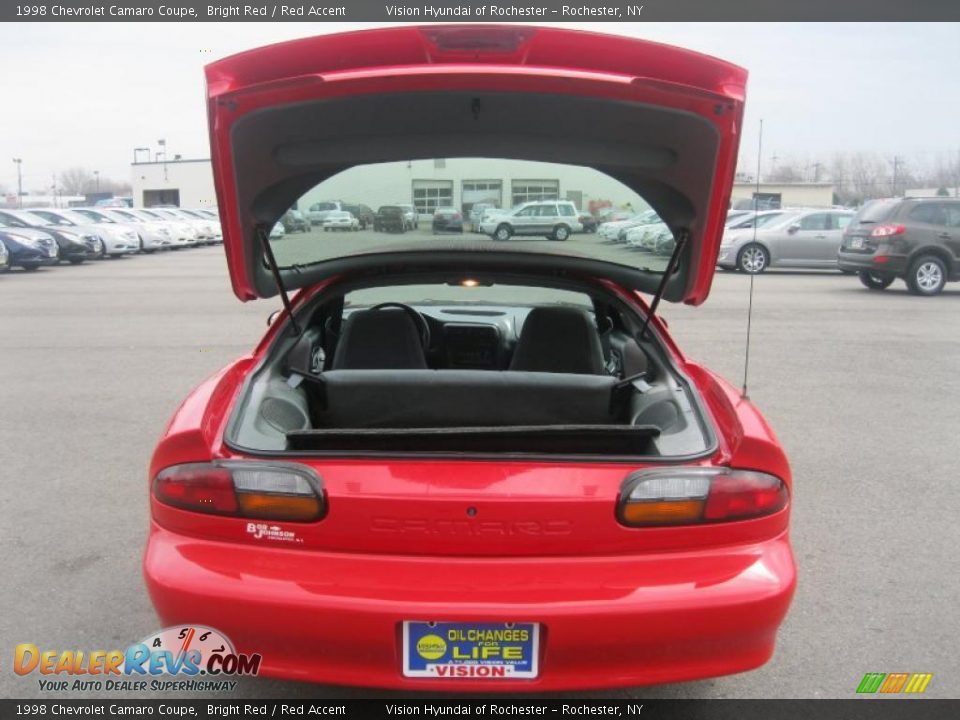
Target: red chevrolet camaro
<point>474,462</point>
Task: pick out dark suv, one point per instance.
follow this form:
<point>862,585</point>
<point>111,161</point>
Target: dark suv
<point>390,218</point>
<point>917,239</point>
<point>364,214</point>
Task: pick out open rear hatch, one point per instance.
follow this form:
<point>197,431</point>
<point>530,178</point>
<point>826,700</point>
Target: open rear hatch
<point>663,121</point>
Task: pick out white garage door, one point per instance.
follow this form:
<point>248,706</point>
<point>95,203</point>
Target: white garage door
<point>428,195</point>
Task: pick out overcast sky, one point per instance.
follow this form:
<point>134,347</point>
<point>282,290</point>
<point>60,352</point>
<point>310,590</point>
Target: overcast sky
<point>86,94</point>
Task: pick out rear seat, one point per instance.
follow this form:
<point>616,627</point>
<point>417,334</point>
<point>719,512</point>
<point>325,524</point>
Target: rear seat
<point>463,398</point>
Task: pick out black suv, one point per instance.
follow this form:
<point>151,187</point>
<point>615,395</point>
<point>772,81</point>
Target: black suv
<point>917,239</point>
<point>390,218</point>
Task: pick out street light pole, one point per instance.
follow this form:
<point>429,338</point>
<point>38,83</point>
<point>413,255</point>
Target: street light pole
<point>96,174</point>
<point>19,162</point>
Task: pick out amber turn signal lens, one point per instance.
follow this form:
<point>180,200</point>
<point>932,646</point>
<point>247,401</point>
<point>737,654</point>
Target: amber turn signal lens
<point>279,507</point>
<point>667,512</point>
<point>264,491</point>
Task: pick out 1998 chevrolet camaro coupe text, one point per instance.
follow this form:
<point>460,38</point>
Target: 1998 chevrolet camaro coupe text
<point>460,464</point>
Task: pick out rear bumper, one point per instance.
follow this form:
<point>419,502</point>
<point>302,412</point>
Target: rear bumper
<point>607,621</point>
<point>893,265</point>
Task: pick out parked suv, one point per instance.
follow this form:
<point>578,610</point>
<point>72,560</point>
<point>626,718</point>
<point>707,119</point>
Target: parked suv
<point>390,218</point>
<point>318,211</point>
<point>917,239</point>
<point>555,219</point>
<point>362,213</point>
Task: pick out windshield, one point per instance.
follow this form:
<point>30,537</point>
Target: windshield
<point>153,215</point>
<point>467,292</point>
<point>41,217</point>
<point>877,211</point>
<point>93,216</point>
<point>17,222</point>
<point>539,215</point>
<point>126,216</point>
<point>761,220</point>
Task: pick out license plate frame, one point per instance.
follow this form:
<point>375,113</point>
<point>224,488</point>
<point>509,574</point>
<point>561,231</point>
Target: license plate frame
<point>453,657</point>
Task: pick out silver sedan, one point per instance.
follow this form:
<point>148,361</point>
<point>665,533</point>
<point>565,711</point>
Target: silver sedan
<point>798,239</point>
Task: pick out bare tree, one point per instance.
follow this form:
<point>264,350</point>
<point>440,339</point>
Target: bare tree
<point>77,181</point>
<point>785,173</point>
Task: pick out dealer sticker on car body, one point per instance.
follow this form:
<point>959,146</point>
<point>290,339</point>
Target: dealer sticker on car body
<point>470,650</point>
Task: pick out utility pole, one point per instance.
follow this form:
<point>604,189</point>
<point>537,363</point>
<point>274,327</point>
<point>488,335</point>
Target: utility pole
<point>96,174</point>
<point>816,172</point>
<point>18,162</point>
<point>896,169</point>
<point>163,143</point>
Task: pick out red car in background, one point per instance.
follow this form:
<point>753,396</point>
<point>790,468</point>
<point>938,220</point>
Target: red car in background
<point>454,464</point>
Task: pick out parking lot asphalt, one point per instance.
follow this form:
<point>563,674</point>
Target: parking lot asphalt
<point>861,387</point>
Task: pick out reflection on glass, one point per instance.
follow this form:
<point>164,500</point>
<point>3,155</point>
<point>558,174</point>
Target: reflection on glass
<point>523,206</point>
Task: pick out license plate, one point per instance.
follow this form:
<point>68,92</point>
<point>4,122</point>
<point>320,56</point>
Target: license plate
<point>856,243</point>
<point>457,650</point>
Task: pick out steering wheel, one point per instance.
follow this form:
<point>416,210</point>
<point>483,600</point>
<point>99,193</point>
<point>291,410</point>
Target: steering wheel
<point>418,319</point>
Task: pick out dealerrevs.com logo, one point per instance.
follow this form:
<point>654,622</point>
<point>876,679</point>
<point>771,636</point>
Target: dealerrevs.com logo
<point>173,659</point>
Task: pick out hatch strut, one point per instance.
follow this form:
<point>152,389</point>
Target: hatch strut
<point>670,269</point>
<point>272,264</point>
<point>684,236</point>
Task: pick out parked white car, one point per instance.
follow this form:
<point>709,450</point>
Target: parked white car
<point>615,230</point>
<point>410,215</point>
<point>340,220</point>
<point>152,236</point>
<point>643,237</point>
<point>186,234</point>
<point>318,211</point>
<point>206,232</point>
<point>210,213</point>
<point>277,231</point>
<point>117,240</point>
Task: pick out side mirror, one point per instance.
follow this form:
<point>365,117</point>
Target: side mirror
<point>793,228</point>
<point>272,317</point>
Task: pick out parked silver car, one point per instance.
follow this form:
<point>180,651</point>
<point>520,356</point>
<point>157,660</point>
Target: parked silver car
<point>554,219</point>
<point>797,239</point>
<point>152,236</point>
<point>116,239</point>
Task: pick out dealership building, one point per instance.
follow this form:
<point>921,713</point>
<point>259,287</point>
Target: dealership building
<point>453,182</point>
<point>427,184</point>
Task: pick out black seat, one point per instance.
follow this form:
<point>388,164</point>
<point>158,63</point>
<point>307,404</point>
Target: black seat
<point>379,340</point>
<point>558,339</point>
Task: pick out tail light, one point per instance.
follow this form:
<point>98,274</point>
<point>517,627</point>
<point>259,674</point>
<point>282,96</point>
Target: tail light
<point>887,230</point>
<point>687,496</point>
<point>265,491</point>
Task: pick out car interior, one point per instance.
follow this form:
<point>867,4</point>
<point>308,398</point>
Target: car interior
<point>519,368</point>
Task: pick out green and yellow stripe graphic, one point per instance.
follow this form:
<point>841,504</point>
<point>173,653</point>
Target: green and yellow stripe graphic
<point>894,682</point>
